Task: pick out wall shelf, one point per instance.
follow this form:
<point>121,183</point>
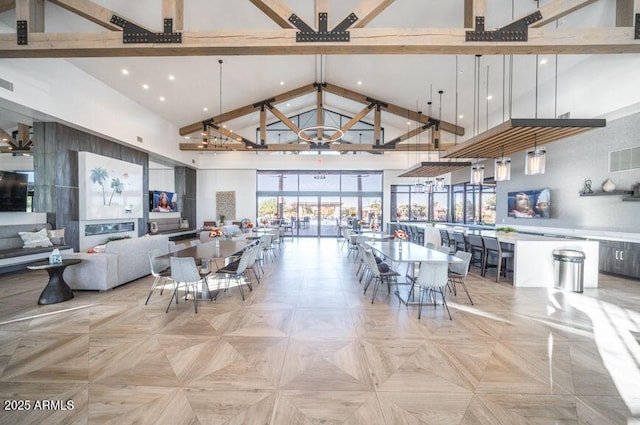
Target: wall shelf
<point>615,192</point>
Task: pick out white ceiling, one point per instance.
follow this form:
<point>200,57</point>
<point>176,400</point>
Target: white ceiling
<point>406,80</point>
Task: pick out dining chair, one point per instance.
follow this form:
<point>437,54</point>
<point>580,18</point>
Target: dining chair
<point>444,249</point>
<point>458,271</point>
<point>445,240</point>
<point>476,248</point>
<point>460,242</point>
<point>237,271</point>
<point>380,272</point>
<point>185,273</point>
<point>159,270</point>
<point>493,251</point>
<point>194,242</point>
<point>432,277</point>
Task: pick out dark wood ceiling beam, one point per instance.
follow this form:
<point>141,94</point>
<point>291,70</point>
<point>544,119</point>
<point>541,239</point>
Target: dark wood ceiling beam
<point>248,109</point>
<point>406,41</point>
<point>408,135</point>
<point>277,10</point>
<point>353,121</point>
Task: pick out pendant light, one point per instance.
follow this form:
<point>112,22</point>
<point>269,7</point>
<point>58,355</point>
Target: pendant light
<point>439,187</point>
<point>477,172</point>
<point>428,185</point>
<point>535,159</point>
<point>502,171</point>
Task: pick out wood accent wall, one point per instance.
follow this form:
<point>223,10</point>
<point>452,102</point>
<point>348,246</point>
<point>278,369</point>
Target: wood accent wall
<point>56,148</point>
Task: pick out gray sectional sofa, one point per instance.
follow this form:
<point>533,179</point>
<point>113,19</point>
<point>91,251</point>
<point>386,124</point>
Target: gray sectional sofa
<point>13,256</point>
<point>122,261</point>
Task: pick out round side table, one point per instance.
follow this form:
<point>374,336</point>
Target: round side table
<point>57,289</point>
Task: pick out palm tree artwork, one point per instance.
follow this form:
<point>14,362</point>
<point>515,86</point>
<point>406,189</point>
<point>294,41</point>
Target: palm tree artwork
<point>117,187</point>
<point>98,176</point>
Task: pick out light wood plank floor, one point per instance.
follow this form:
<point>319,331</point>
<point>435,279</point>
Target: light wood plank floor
<point>307,347</point>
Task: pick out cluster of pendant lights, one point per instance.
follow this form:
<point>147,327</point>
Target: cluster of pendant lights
<point>534,164</point>
<point>429,185</point>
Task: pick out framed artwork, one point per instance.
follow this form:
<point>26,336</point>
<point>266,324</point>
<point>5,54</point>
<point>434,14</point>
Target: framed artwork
<point>226,205</point>
<point>109,188</point>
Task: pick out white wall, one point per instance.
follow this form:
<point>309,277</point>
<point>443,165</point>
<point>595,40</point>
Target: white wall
<point>55,88</point>
<point>243,182</point>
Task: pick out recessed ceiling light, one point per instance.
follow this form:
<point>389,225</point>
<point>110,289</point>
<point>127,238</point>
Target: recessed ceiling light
<point>408,122</point>
<point>288,104</point>
<point>161,98</point>
<point>171,77</point>
<point>224,126</point>
<point>460,116</point>
<point>125,71</point>
<point>282,83</point>
<point>489,97</point>
<point>359,82</point>
<point>145,86</point>
<point>205,109</point>
<point>543,61</point>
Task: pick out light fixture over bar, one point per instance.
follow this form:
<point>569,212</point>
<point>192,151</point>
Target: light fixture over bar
<point>434,168</point>
<point>518,134</point>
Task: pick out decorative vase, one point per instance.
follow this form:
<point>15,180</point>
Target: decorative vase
<point>608,186</point>
<point>217,240</point>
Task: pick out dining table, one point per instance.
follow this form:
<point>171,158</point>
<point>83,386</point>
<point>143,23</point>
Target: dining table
<point>211,252</point>
<point>411,254</point>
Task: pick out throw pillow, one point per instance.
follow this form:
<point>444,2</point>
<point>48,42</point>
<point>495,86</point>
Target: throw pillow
<point>99,248</point>
<point>35,239</point>
<point>56,236</point>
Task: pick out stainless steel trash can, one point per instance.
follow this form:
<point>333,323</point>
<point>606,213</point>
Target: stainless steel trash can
<point>568,265</point>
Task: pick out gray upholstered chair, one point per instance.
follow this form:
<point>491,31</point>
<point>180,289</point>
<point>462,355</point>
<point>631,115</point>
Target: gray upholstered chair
<point>432,277</point>
<point>458,271</point>
<point>494,252</point>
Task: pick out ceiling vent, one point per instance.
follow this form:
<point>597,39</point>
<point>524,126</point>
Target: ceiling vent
<point>626,159</point>
<point>139,139</point>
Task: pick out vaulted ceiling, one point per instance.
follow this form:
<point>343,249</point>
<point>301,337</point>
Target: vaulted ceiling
<point>399,52</point>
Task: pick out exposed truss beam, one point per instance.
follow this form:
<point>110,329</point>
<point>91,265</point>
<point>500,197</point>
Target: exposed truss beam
<point>7,136</point>
<point>473,8</point>
<point>91,11</point>
<point>31,11</point>
<point>7,5</point>
<point>363,41</point>
<point>263,125</point>
<point>367,10</point>
<point>319,112</point>
<point>277,10</point>
<point>274,147</point>
<point>557,9</point>
<point>247,109</point>
<point>286,121</point>
<point>174,9</point>
<point>393,109</point>
<point>377,125</point>
<point>353,121</point>
<point>408,135</point>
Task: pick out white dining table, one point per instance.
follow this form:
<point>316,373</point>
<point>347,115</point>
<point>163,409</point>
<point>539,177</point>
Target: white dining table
<point>410,253</point>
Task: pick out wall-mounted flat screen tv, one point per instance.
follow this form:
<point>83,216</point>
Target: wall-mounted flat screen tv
<point>163,201</point>
<point>13,191</point>
<point>530,203</point>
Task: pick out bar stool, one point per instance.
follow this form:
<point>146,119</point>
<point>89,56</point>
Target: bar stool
<point>476,248</point>
<point>494,250</point>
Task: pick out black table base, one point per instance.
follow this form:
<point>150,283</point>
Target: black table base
<point>57,289</point>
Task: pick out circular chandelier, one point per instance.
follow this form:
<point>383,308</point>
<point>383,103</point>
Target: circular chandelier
<point>302,134</point>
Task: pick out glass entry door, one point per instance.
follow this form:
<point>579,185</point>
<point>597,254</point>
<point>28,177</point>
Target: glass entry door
<point>318,216</point>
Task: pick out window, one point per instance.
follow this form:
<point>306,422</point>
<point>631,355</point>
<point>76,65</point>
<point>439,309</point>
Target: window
<point>474,203</point>
<point>408,205</point>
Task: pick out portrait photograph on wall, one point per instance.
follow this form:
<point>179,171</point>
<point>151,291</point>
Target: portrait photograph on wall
<point>530,203</point>
<point>109,188</point>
